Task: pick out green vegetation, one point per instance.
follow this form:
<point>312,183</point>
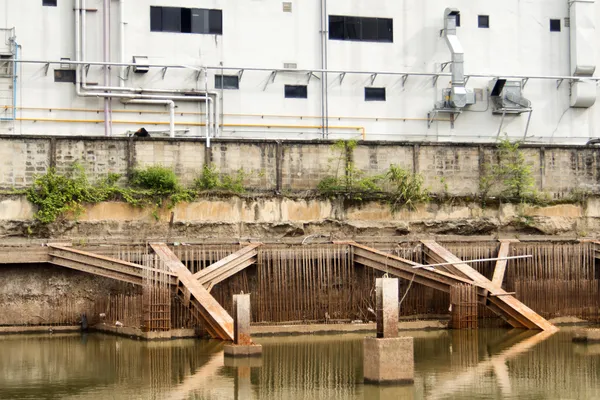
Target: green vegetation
<point>211,180</point>
<point>405,188</point>
<point>56,194</point>
<point>512,176</point>
<point>408,189</point>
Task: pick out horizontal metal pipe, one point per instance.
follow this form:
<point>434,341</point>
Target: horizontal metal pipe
<point>351,72</point>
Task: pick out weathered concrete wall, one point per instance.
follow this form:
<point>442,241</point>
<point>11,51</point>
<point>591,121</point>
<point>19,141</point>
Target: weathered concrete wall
<point>293,165</point>
<point>33,294</point>
<point>278,217</point>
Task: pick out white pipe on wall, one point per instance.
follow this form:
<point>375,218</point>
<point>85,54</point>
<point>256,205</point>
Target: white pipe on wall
<point>82,90</point>
<point>171,105</point>
<point>122,42</point>
<point>106,58</point>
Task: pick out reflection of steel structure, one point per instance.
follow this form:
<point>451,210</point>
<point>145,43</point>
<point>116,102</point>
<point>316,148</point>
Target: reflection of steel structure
<point>495,363</point>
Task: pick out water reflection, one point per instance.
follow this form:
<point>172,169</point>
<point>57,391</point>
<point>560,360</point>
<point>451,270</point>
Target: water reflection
<point>480,364</point>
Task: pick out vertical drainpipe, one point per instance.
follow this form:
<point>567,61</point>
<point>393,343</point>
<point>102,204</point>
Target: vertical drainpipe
<point>106,58</point>
<point>122,42</point>
<point>14,110</point>
<point>322,55</point>
<point>326,56</point>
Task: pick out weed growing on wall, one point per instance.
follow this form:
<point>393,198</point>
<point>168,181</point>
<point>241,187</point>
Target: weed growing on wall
<point>212,180</point>
<point>407,188</point>
<point>55,194</point>
<point>512,175</point>
<point>347,180</point>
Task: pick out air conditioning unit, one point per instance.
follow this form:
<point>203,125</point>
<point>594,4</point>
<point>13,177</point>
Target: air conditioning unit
<point>507,98</point>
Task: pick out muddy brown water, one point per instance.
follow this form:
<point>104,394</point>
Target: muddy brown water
<point>482,364</point>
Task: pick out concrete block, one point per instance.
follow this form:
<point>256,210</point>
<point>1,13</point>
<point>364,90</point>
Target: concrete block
<point>387,307</point>
<point>389,361</point>
<point>234,350</point>
<point>237,362</point>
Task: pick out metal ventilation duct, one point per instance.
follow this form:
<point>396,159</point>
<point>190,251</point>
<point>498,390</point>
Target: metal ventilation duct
<point>458,97</point>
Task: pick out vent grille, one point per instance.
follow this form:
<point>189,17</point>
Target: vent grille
<point>567,22</point>
<point>287,6</point>
<point>290,65</point>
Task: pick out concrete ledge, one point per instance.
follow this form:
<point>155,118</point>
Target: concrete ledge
<point>138,333</point>
<point>389,361</point>
<point>325,329</point>
<point>233,350</point>
<point>13,330</point>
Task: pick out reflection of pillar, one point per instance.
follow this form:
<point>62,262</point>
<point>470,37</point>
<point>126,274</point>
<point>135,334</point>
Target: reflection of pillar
<point>387,307</point>
<point>241,379</point>
<point>242,384</point>
<point>388,358</point>
<point>376,392</point>
<point>242,342</point>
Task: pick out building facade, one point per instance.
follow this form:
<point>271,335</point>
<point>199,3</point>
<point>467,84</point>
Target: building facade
<point>256,68</point>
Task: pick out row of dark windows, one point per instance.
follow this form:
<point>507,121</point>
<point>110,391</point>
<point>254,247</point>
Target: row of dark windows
<point>186,20</point>
<point>362,29</point>
<point>293,91</point>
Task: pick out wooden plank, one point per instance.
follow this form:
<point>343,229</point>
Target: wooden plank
<point>507,303</point>
<point>212,313</point>
<point>500,268</point>
<point>213,268</point>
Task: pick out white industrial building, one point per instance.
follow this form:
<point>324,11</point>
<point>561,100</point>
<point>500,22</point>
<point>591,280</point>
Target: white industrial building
<point>302,69</point>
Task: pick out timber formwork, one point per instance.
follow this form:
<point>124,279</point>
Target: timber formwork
<point>194,289</point>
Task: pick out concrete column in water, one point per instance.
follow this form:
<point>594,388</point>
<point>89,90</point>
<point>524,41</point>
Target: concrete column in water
<point>386,290</point>
<point>242,346</point>
<point>388,358</point>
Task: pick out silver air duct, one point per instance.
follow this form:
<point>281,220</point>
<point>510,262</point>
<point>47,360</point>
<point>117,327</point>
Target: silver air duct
<point>458,92</point>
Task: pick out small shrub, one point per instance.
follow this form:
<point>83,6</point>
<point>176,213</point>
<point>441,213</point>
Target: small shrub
<point>407,188</point>
<point>156,178</point>
<point>210,180</point>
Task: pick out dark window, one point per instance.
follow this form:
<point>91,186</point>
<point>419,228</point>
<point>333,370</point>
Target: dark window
<point>186,20</point>
<point>483,21</point>
<point>458,19</point>
<point>336,27</point>
<point>296,92</point>
<point>156,19</point>
<point>64,75</point>
<point>51,3</point>
<point>361,29</point>
<point>227,82</point>
<point>374,94</point>
<point>555,25</point>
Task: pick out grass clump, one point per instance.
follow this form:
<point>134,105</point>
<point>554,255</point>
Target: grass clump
<point>156,178</point>
<point>407,189</point>
<point>212,180</point>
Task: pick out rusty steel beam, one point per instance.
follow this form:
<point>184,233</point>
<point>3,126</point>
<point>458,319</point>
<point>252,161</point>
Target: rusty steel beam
<point>85,267</point>
<point>500,268</point>
<point>60,255</point>
<point>213,315</point>
<point>508,304</point>
<point>402,268</point>
<point>214,270</point>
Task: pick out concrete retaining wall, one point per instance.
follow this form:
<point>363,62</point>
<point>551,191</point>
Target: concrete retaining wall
<point>292,165</point>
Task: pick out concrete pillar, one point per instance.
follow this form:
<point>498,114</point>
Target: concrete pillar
<point>241,319</point>
<point>386,290</point>
<point>388,358</point>
<point>242,346</point>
